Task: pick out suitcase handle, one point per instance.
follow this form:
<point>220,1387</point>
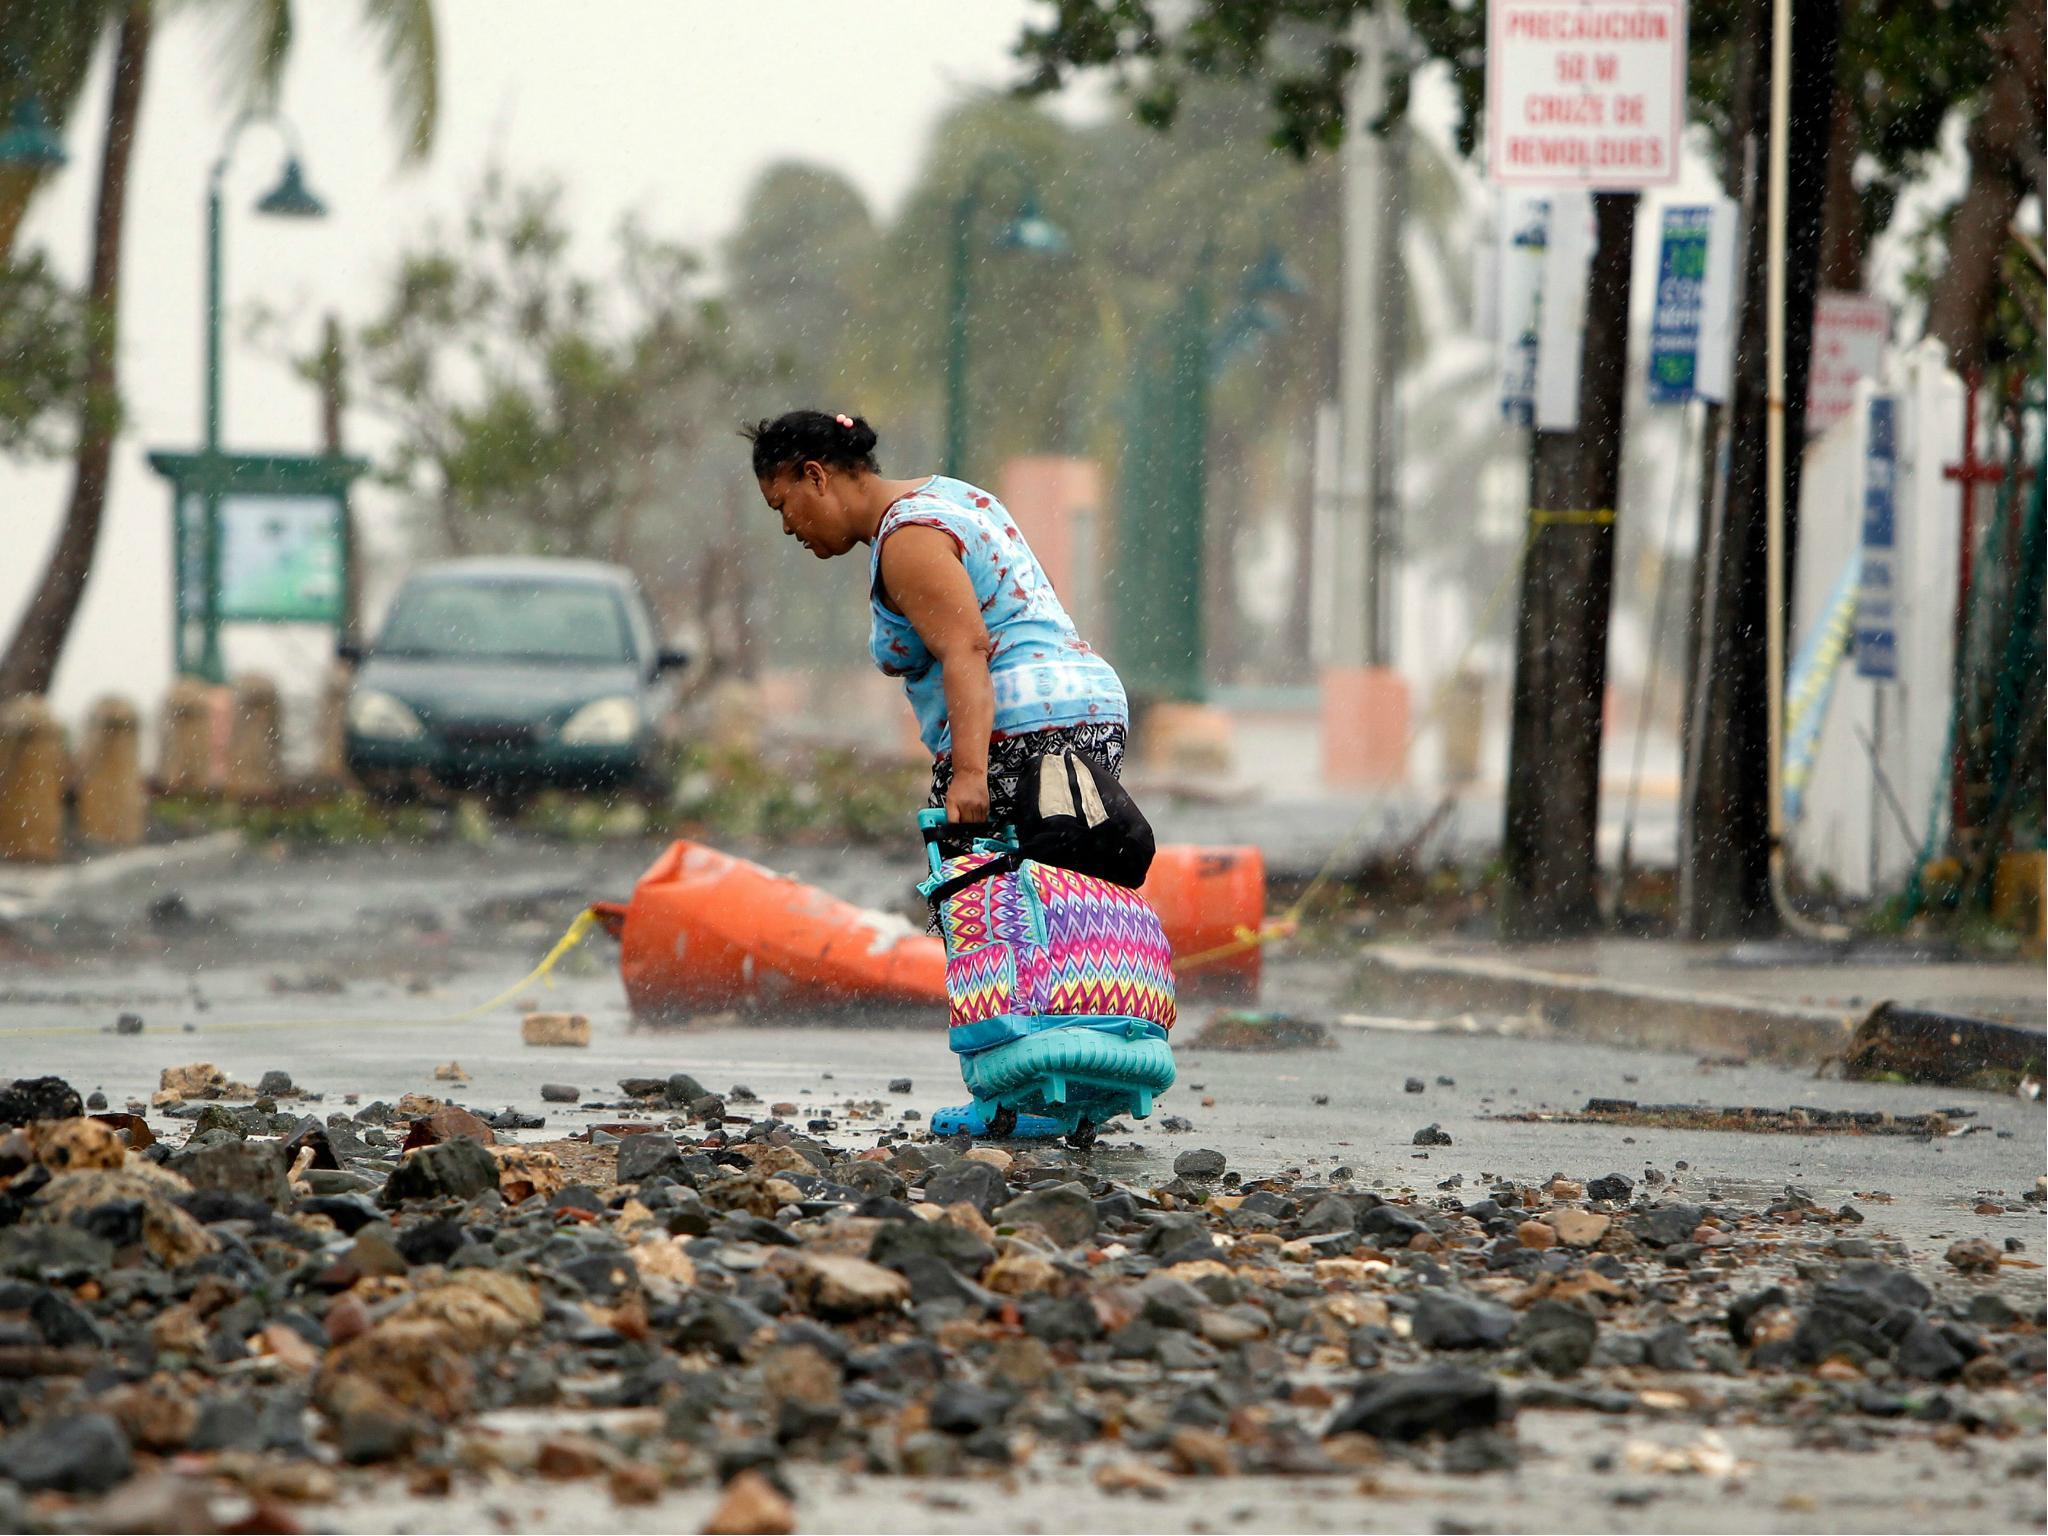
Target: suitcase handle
<point>936,831</point>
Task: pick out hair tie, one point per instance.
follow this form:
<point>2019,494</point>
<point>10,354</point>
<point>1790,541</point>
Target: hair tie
<point>844,421</point>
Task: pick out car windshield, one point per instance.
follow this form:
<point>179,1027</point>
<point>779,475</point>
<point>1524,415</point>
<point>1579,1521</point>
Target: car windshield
<point>507,620</point>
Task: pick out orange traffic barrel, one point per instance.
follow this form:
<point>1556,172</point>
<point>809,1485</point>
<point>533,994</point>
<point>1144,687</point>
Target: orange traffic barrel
<point>1211,901</point>
<point>706,931</point>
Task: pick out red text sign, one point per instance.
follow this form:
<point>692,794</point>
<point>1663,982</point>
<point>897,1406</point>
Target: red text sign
<point>1585,93</point>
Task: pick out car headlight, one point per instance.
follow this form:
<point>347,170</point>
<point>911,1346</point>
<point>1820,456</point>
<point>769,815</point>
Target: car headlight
<point>607,723</point>
<point>382,717</point>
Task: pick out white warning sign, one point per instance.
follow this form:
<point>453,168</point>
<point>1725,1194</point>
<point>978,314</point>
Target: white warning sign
<point>1585,93</point>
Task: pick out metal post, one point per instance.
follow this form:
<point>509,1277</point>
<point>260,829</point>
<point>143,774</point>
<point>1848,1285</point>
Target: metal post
<point>956,333</point>
<point>1357,635</point>
<point>211,665</point>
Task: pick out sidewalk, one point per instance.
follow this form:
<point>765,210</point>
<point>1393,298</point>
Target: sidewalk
<point>1796,974</point>
<point>1873,1009</point>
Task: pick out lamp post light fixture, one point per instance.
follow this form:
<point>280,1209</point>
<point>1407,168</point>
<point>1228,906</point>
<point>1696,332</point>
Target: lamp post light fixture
<point>289,199</point>
<point>1028,231</point>
<point>30,143</point>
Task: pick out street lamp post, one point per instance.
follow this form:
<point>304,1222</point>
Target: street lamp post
<point>1163,479</point>
<point>1028,230</point>
<point>289,199</point>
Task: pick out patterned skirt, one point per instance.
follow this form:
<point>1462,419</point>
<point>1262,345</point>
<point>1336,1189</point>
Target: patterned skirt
<point>1007,755</point>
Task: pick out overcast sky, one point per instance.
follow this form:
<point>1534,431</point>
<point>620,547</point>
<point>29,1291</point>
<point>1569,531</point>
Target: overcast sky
<point>664,107</point>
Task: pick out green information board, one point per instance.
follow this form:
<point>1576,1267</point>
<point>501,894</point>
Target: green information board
<point>256,539</point>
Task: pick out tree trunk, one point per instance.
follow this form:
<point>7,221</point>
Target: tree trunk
<point>333,378</point>
<point>2005,150</point>
<point>1724,827</point>
<point>32,656</point>
<point>1845,236</point>
<point>1553,797</point>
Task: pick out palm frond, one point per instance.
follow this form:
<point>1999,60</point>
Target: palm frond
<point>252,40</point>
<point>406,32</point>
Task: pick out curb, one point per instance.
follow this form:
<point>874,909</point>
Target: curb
<point>27,892</point>
<point>1890,1040</point>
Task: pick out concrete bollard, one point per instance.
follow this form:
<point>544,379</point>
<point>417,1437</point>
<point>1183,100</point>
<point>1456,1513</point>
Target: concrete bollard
<point>330,763</point>
<point>108,788</point>
<point>254,739</point>
<point>734,711</point>
<point>1464,726</point>
<point>184,762</point>
<point>32,775</point>
<point>1181,738</point>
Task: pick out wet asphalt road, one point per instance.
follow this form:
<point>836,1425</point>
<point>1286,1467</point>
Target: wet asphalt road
<point>337,968</point>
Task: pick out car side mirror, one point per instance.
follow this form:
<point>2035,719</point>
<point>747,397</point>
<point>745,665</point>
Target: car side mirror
<point>350,651</point>
<point>668,661</point>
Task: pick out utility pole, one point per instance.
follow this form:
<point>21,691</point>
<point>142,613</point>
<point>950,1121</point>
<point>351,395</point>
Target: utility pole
<point>1724,853</point>
<point>1553,792</point>
<point>1364,700</point>
<point>333,381</point>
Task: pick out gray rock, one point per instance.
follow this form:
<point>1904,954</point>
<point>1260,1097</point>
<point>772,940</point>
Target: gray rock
<point>650,1155</point>
<point>560,1093</point>
<point>1413,1405</point>
<point>1332,1213</point>
<point>1447,1320</point>
<point>681,1089</point>
<point>1432,1135</point>
<point>1199,1163</point>
<point>63,1323</point>
<point>374,1429</point>
<point>1610,1186</point>
<point>456,1169</point>
<point>1557,1336</point>
<point>1064,1210</point>
<point>38,1098</point>
<point>961,1408</point>
<point>252,1170</point>
<point>1414,1085</point>
<point>897,1243</point>
<point>1926,1354</point>
<point>274,1084</point>
<point>1990,1310</point>
<point>979,1184</point>
<point>1176,1236</point>
<point>84,1453</point>
<point>899,1085</point>
<point>1670,1349</point>
<point>59,1254</point>
<point>1666,1226</point>
<point>1391,1223</point>
<point>227,1424</point>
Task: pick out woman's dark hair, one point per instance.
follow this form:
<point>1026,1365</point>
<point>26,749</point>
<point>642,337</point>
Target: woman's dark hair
<point>799,437</point>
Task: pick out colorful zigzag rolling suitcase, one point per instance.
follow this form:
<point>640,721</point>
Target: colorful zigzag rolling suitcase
<point>1059,991</point>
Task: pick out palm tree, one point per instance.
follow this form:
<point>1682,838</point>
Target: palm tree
<point>260,36</point>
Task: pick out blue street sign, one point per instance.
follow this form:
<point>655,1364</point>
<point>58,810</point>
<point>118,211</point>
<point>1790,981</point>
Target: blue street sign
<point>1675,324</point>
<point>1877,639</point>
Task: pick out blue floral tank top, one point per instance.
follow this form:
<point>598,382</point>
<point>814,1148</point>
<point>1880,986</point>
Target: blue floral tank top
<point>1044,675</point>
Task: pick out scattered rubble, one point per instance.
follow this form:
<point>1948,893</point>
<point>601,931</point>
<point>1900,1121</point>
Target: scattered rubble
<point>281,1305</point>
<point>555,1029</point>
<point>1245,1030</point>
<point>1799,1120</point>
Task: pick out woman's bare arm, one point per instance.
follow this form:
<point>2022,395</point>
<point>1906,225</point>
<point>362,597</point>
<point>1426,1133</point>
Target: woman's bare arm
<point>923,579</point>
